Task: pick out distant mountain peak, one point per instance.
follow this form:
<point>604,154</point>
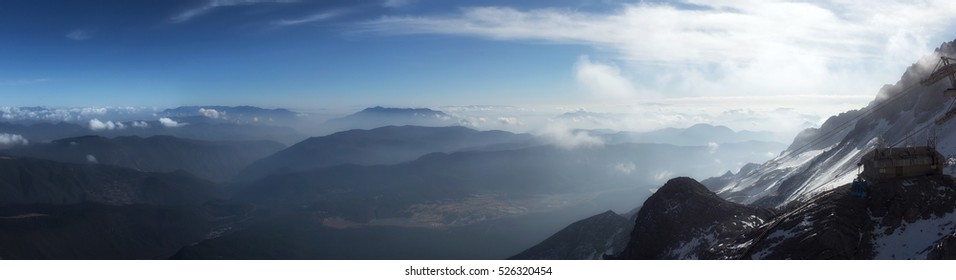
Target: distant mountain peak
<point>400,111</point>
<point>81,139</point>
<point>710,129</point>
<point>708,126</point>
<point>378,116</point>
<point>581,113</point>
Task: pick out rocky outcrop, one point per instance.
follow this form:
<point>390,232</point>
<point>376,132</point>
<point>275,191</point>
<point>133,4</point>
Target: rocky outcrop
<point>899,219</point>
<point>684,220</point>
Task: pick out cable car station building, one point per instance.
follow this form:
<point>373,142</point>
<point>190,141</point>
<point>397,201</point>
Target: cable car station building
<point>891,163</point>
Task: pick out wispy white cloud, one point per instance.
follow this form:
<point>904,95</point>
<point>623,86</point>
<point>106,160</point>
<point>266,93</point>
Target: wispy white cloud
<point>565,137</point>
<point>23,82</point>
<point>396,3</point>
<point>312,18</point>
<point>663,175</point>
<point>728,30</point>
<point>603,80</point>
<point>722,47</point>
<point>625,167</point>
<point>91,159</point>
<point>80,34</point>
<point>190,14</point>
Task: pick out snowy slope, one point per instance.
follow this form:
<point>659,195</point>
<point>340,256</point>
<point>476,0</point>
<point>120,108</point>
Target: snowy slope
<point>814,163</point>
<point>911,240</point>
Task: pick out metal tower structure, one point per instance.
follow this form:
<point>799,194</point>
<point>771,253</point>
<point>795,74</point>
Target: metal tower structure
<point>945,68</point>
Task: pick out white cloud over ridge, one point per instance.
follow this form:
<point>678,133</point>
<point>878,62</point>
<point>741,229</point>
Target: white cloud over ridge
<point>210,113</point>
<point>509,121</point>
<point>68,114</point>
<point>565,137</point>
<point>7,139</point>
<point>97,125</point>
<point>167,122</point>
<point>712,147</point>
<point>140,124</point>
<point>720,47</point>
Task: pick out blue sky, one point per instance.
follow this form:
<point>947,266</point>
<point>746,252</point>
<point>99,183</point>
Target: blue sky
<point>167,53</point>
<point>320,54</point>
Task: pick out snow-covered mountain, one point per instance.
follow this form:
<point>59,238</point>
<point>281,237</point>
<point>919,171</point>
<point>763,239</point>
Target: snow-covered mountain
<point>824,158</point>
